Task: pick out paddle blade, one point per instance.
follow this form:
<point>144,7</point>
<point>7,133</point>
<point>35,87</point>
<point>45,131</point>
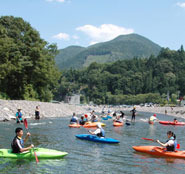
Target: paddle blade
<point>36,158</point>
<point>149,139</point>
<point>25,123</point>
<point>178,146</point>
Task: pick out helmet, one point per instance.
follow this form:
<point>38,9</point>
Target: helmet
<point>86,115</point>
<point>98,125</point>
<point>155,115</point>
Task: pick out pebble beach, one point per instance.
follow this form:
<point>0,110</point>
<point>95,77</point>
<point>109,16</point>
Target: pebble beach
<point>9,108</point>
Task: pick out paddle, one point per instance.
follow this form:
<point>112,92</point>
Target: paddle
<point>26,126</point>
<point>149,139</point>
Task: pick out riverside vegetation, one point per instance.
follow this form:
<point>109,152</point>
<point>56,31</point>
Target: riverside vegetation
<point>28,72</point>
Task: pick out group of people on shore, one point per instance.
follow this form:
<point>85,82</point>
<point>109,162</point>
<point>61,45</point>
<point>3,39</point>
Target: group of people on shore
<point>19,115</point>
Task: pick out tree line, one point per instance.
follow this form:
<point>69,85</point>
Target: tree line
<point>134,81</point>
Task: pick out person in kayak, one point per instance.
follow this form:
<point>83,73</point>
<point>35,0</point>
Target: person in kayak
<point>153,118</point>
<point>82,121</point>
<point>170,143</point>
<point>99,131</point>
<point>133,113</point>
<point>18,143</point>
<point>74,119</point>
<point>118,119</point>
<point>175,120</point>
<point>19,116</point>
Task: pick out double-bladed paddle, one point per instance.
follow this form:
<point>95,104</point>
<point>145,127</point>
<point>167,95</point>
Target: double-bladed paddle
<point>149,139</point>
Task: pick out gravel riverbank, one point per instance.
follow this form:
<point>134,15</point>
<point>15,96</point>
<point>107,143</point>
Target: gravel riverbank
<point>9,108</point>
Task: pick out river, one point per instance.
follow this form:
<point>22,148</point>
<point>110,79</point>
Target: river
<point>94,158</point>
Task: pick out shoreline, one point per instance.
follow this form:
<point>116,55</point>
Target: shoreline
<point>47,109</point>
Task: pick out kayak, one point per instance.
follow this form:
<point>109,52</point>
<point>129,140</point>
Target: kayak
<point>74,125</point>
<point>172,123</point>
<point>117,123</point>
<point>97,139</point>
<point>92,124</point>
<point>41,153</point>
<point>159,151</point>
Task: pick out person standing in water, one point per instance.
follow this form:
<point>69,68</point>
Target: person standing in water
<point>18,115</point>
<point>133,114</point>
<point>37,113</point>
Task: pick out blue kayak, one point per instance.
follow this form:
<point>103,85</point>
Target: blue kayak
<point>96,138</point>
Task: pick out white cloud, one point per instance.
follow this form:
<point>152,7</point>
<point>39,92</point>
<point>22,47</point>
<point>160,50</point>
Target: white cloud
<point>75,37</point>
<point>56,0</point>
<point>181,4</point>
<point>103,33</point>
<point>62,36</point>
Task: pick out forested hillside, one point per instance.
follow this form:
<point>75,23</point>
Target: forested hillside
<point>128,81</point>
<point>120,48</point>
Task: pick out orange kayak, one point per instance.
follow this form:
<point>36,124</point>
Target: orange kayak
<point>74,125</point>
<point>159,151</point>
<point>117,123</point>
<point>92,124</point>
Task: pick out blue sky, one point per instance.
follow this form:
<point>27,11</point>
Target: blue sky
<point>85,22</point>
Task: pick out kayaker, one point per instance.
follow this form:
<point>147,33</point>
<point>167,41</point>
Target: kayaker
<point>86,118</point>
<point>74,119</point>
<point>170,143</point>
<point>37,113</point>
<point>99,131</point>
<point>82,121</point>
<point>175,121</point>
<point>133,113</point>
<point>153,118</point>
<point>118,119</point>
<point>18,143</point>
<point>19,116</point>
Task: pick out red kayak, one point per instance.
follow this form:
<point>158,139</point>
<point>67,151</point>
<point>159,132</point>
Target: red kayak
<point>172,123</point>
<point>159,151</point>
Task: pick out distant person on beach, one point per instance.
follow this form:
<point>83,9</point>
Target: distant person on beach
<point>18,115</point>
<point>133,113</point>
<point>170,143</point>
<point>74,119</point>
<point>37,113</point>
<point>165,111</point>
<point>99,131</point>
<point>18,143</point>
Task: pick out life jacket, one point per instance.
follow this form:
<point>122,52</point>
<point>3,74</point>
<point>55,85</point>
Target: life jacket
<point>171,148</point>
<point>74,120</point>
<point>19,114</point>
<point>15,146</point>
<point>102,133</point>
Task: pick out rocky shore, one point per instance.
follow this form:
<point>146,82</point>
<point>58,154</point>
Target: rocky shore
<point>9,108</point>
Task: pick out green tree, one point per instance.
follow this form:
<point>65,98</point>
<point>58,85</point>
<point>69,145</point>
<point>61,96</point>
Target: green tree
<point>27,67</point>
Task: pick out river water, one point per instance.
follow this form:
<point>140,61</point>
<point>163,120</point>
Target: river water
<point>90,157</point>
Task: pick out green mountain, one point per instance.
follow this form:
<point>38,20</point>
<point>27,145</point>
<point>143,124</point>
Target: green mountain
<point>122,47</point>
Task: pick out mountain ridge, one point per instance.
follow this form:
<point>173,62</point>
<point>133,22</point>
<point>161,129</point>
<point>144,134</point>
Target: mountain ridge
<point>119,48</point>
